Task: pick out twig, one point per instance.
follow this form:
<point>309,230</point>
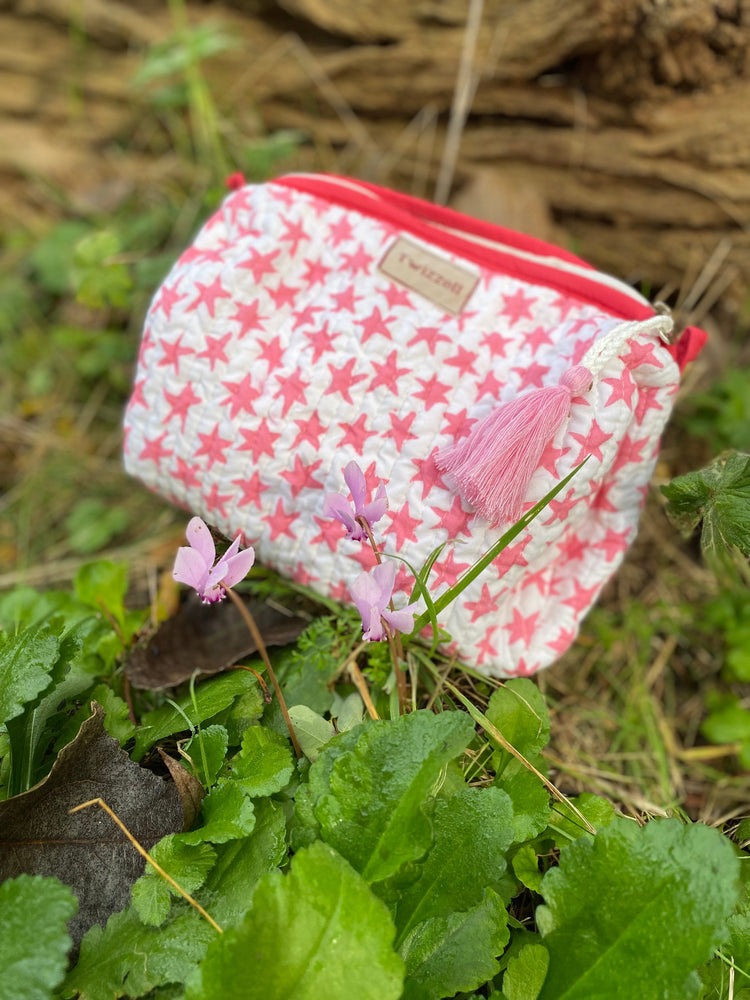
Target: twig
<point>361,685</point>
<point>261,647</point>
<point>144,853</point>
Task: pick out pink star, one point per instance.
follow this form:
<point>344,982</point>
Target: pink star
<point>538,337</point>
<point>622,388</point>
<point>447,569</point>
<point>374,324</point>
<point>429,335</point>
<point>321,339</point>
<point>457,425</point>
<point>343,379</point>
<point>154,450</point>
<point>180,403</point>
<point>532,374</point>
<point>186,474</point>
<point>400,428</point>
<point>330,533</point>
<point>428,473</point>
<point>302,477</point>
<point>357,261</point>
<point>215,349</point>
<point>294,233</point>
<point>251,491</point>
<point>340,231</point>
<point>564,305</point>
<point>387,373</point>
<point>305,315</point>
<point>613,543</point>
<point>464,360</point>
<point>602,502</point>
<point>489,386</point>
<point>550,457</point>
<point>403,526</point>
<point>346,301</point>
<point>522,627</point>
<point>136,397</point>
<point>573,548</point>
<point>517,306</point>
<point>216,502</point>
<point>292,389</point>
<point>213,446</point>
<point>280,522</point>
<point>591,443</point>
<point>355,434</point>
<point>641,354</point>
<point>433,391</point>
<point>496,343</point>
<point>242,396</point>
<point>583,597</point>
<point>259,263</point>
<point>284,295</point>
<point>166,299</point>
<point>484,605</point>
<point>512,556</point>
<point>646,401</point>
<point>315,273</point>
<point>630,453</point>
<point>272,352</point>
<point>486,648</point>
<point>260,441</point>
<point>209,294</point>
<point>247,315</point>
<point>562,641</point>
<point>309,430</point>
<point>455,520</point>
<point>395,296</point>
<point>172,352</point>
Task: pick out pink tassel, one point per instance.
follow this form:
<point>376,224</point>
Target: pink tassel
<point>494,464</point>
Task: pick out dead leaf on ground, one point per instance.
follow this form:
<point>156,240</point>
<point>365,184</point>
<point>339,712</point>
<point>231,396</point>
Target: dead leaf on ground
<point>86,850</point>
<point>206,639</point>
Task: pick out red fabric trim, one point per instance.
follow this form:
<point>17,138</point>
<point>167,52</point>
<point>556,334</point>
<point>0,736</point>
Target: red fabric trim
<point>422,217</point>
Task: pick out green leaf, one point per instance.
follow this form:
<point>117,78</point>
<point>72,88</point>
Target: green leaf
<point>264,764</point>
<point>526,972</point>
<point>144,957</point>
<point>26,663</point>
<point>210,698</point>
<point>241,864</point>
<point>306,670</point>
<point>100,280</point>
<point>526,867</point>
<point>729,722</point>
<point>368,791</point>
<point>228,813</point>
<point>104,585</point>
<point>188,865</point>
<point>313,732</point>
<point>116,715</point>
<point>34,939</point>
<point>635,910</point>
<point>566,823</point>
<point>92,523</point>
<point>458,952</point>
<point>206,752</point>
<point>317,931</point>
<point>472,830</point>
<point>719,496</point>
<point>519,711</point>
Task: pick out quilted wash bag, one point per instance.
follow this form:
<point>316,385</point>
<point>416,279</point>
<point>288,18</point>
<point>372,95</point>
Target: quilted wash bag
<point>317,320</point>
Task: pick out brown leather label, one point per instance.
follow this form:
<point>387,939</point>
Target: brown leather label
<point>436,279</point>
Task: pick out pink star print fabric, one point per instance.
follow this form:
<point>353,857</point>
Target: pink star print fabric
<point>278,349</point>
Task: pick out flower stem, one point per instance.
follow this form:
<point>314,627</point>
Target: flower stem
<point>262,651</point>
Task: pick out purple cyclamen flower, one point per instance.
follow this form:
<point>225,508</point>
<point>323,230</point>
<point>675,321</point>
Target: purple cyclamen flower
<point>194,566</point>
<point>371,593</point>
<point>338,507</point>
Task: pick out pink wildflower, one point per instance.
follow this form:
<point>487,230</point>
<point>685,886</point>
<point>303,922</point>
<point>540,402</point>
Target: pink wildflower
<point>353,514</point>
<point>371,593</point>
<point>194,566</point>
